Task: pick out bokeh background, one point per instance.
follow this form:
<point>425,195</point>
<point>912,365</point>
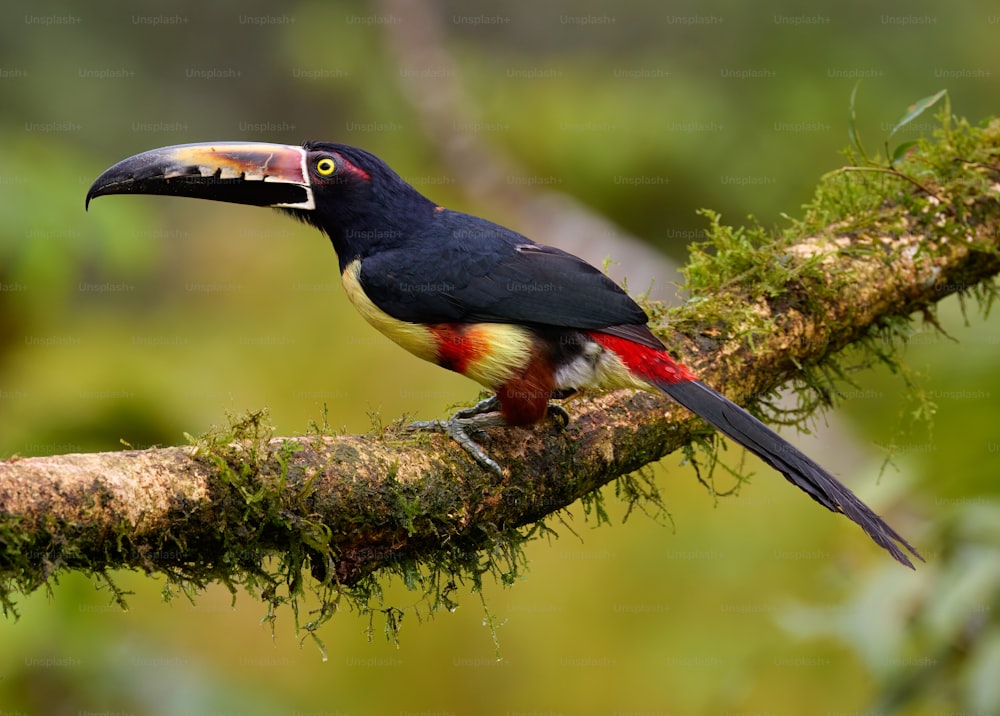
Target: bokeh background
<point>599,126</point>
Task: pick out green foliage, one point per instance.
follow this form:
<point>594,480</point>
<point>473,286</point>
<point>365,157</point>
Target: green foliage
<point>17,564</point>
<point>912,112</point>
<point>932,182</point>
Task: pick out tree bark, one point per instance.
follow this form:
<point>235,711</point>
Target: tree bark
<point>234,505</point>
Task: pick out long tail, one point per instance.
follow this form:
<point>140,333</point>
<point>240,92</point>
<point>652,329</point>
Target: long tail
<point>736,423</point>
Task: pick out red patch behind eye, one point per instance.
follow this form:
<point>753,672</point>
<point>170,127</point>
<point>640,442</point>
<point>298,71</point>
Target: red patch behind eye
<point>354,170</point>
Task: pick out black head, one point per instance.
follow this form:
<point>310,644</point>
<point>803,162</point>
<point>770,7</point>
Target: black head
<point>360,203</point>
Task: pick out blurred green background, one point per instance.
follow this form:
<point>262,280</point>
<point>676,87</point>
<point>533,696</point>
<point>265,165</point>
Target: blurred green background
<point>150,317</point>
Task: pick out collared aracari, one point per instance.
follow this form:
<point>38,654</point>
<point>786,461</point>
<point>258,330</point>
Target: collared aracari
<point>527,321</point>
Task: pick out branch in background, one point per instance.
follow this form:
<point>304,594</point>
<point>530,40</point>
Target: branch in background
<point>243,508</point>
<point>548,216</point>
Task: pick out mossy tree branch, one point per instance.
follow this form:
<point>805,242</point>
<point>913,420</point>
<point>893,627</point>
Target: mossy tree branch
<point>245,508</point>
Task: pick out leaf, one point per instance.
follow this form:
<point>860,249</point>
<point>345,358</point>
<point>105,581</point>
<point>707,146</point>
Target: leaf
<point>916,109</point>
<point>899,153</point>
<point>852,129</point>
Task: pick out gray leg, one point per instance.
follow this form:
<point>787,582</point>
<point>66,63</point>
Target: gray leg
<point>486,405</point>
<point>480,416</point>
<point>457,427</point>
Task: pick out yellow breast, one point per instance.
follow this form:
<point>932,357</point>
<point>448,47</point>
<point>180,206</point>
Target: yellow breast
<point>489,353</point>
<point>417,339</point>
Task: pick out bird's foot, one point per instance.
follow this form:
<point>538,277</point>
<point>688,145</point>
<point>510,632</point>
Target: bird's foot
<point>459,426</point>
<point>480,416</point>
<point>559,413</point>
<point>486,405</point>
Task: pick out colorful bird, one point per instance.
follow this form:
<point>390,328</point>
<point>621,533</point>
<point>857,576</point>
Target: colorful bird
<point>529,322</point>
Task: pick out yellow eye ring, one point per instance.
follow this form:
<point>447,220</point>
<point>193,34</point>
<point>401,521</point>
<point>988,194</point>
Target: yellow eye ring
<point>325,166</point>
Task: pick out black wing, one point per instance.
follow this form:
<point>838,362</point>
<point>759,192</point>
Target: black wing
<point>464,268</point>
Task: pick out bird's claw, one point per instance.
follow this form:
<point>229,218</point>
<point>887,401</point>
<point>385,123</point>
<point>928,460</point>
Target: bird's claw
<point>559,413</point>
<point>457,429</point>
<point>480,416</point>
<point>486,405</point>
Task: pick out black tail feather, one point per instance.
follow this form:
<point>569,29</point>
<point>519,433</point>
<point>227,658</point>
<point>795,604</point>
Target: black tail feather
<point>736,423</point>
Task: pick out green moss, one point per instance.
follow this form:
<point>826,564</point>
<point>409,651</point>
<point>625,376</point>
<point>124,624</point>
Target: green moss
<point>933,187</point>
<point>32,556</point>
<point>21,573</point>
<point>267,547</point>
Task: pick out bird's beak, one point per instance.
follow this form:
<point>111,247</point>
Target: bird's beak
<point>252,173</point>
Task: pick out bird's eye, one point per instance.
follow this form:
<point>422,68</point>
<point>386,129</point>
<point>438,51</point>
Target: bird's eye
<point>325,166</point>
